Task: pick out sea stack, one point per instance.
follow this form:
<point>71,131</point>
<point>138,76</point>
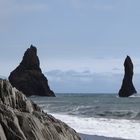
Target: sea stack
<point>127,88</point>
<point>28,76</point>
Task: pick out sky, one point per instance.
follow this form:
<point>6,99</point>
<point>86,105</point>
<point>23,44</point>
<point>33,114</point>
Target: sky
<point>81,44</point>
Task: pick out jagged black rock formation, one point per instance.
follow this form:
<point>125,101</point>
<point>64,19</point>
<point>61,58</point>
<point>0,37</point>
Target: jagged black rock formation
<point>28,77</point>
<point>127,88</point>
<point>21,119</point>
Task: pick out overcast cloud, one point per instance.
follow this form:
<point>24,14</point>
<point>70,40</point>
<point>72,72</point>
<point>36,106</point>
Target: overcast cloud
<point>77,35</point>
<point>87,82</point>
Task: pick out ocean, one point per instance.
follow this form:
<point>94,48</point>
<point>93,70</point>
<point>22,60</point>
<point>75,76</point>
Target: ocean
<point>104,115</point>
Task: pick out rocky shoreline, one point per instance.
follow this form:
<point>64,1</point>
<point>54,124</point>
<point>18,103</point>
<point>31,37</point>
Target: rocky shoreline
<point>22,119</point>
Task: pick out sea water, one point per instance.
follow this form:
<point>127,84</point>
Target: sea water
<point>96,114</point>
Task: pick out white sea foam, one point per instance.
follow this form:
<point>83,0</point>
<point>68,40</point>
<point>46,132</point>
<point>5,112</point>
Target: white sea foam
<point>135,95</point>
<point>126,129</point>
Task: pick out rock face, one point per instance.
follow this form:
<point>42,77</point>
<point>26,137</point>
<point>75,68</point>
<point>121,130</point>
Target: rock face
<point>127,88</point>
<point>28,77</point>
<point>21,119</point>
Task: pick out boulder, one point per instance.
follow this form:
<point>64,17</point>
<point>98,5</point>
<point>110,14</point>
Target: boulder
<point>127,88</point>
<point>28,77</point>
<point>21,119</point>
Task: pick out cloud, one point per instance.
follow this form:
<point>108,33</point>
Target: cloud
<point>58,75</point>
<point>116,69</point>
<point>83,63</point>
<point>103,7</point>
<point>76,3</point>
<point>5,8</point>
<point>90,4</point>
<point>83,82</point>
<point>12,7</point>
<point>33,7</point>
<point>10,10</point>
<point>87,82</point>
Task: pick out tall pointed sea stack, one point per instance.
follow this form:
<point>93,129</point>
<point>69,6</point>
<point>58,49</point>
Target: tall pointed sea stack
<point>127,88</point>
<point>28,77</point>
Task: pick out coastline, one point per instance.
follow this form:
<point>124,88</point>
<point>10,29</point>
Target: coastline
<point>78,112</point>
<point>101,129</point>
<point>95,137</point>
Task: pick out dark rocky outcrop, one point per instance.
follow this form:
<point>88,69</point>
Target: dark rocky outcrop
<point>21,119</point>
<point>28,77</point>
<point>127,88</point>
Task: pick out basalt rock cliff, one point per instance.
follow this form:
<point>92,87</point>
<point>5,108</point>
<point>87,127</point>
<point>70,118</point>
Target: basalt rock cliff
<point>21,119</point>
<point>28,77</point>
<point>127,88</point>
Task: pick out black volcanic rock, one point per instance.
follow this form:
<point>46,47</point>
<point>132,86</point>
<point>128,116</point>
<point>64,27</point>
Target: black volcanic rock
<point>28,77</point>
<point>127,88</point>
<point>22,119</point>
